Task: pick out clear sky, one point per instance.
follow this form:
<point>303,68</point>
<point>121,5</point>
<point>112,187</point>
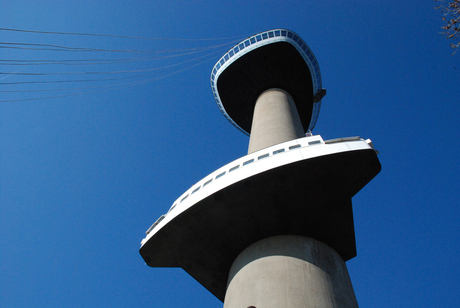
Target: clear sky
<point>83,176</point>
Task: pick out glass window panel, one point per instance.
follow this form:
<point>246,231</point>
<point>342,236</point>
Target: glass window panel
<point>314,142</point>
<point>233,168</point>
<point>222,61</point>
<point>263,156</point>
<point>270,34</point>
<point>241,46</point>
<point>220,175</point>
<point>172,207</point>
<point>289,34</point>
<point>253,40</point>
<point>236,49</point>
<point>278,151</point>
<point>231,53</point>
<point>283,33</point>
<point>246,43</point>
<point>292,147</point>
<point>264,36</point>
<point>277,33</point>
<point>226,57</point>
<point>259,38</point>
<point>196,189</point>
<point>248,162</point>
<point>209,181</point>
<point>184,198</point>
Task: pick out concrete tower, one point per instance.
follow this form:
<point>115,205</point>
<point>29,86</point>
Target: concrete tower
<point>275,227</point>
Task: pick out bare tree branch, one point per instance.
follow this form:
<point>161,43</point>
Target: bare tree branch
<point>451,15</point>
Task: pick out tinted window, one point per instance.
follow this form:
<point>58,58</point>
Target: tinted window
<point>263,156</point>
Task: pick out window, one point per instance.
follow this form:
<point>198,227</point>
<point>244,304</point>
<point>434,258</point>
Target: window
<point>196,189</point>
<point>314,142</point>
<point>292,147</point>
<point>263,156</point>
<point>207,182</point>
<point>248,162</point>
<point>184,198</point>
<point>174,205</point>
<point>234,168</point>
<point>155,224</point>
<point>220,175</point>
<point>278,151</point>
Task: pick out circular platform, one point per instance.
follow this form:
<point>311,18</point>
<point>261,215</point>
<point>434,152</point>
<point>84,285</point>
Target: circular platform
<point>272,59</point>
<point>281,190</point>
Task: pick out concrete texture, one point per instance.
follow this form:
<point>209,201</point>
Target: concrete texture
<point>310,198</point>
<point>275,120</point>
<point>277,65</point>
<point>289,271</point>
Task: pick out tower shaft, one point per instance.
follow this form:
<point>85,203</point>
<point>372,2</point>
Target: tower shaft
<point>275,120</point>
<point>289,271</point>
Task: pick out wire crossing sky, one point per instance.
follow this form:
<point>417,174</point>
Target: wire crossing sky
<point>117,36</point>
<point>167,59</point>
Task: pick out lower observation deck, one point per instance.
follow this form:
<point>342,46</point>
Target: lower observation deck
<point>300,187</point>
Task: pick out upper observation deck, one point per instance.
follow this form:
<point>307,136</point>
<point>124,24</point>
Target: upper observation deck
<point>273,59</point>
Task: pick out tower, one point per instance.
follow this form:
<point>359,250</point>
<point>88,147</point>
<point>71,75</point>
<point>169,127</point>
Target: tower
<point>275,227</point>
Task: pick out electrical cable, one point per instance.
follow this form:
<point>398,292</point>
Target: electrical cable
<point>112,35</point>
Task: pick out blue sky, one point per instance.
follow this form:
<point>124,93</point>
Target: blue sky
<point>84,175</point>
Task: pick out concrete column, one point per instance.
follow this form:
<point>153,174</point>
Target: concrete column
<point>289,271</point>
<point>275,120</point>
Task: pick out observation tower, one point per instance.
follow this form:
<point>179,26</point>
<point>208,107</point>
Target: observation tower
<point>275,227</point>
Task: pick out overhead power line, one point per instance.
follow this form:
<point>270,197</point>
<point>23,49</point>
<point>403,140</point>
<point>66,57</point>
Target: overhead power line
<point>113,35</point>
<point>111,87</point>
<point>51,47</point>
<point>109,72</point>
<point>33,72</point>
